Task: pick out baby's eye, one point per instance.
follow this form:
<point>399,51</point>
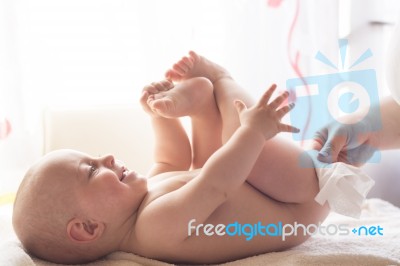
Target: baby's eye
<point>92,169</point>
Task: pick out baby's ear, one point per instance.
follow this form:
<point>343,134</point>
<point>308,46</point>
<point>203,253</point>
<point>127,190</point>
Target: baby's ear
<point>84,230</point>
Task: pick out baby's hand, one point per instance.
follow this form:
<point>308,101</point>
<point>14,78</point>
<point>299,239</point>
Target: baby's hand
<point>265,117</point>
<point>149,91</point>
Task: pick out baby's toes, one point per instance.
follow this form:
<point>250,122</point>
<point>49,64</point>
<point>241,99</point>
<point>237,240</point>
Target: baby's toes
<point>161,85</point>
<point>150,99</point>
<point>164,107</point>
<point>183,65</point>
<point>160,103</point>
<point>186,63</point>
<point>180,68</point>
<point>167,84</point>
<point>151,89</point>
<point>173,75</point>
<point>193,56</point>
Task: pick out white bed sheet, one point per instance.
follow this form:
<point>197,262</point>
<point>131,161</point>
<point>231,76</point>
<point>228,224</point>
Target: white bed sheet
<point>318,250</point>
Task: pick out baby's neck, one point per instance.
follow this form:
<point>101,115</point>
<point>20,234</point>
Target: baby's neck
<point>125,235</point>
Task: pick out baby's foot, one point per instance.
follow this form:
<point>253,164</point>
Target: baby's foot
<point>150,90</point>
<point>195,65</point>
<point>184,99</point>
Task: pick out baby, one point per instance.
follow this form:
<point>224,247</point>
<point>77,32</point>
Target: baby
<point>75,208</point>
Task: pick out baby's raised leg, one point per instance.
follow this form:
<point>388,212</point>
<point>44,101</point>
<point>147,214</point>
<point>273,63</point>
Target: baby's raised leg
<point>172,149</point>
<point>197,66</point>
<point>194,98</point>
<point>277,172</point>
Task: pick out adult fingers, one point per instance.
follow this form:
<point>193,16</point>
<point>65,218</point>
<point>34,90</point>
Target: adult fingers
<point>332,147</point>
<point>319,139</point>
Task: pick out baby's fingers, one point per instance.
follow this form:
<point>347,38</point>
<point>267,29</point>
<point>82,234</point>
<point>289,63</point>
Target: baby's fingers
<point>279,100</point>
<point>284,110</point>
<point>266,96</point>
<point>288,128</point>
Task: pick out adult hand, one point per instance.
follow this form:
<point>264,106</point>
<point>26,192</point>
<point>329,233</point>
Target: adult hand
<point>348,143</point>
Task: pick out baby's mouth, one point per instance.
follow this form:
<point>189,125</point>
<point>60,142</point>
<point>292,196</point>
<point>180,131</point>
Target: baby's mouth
<point>127,175</point>
<point>124,174</point>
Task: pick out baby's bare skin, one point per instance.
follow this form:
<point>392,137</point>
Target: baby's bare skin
<point>247,205</point>
<point>160,234</point>
<point>232,170</point>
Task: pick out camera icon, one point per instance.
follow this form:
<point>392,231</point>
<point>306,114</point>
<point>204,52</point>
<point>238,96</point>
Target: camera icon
<point>328,98</point>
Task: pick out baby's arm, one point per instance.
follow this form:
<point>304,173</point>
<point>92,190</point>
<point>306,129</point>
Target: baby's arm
<point>230,166</point>
<point>224,172</point>
<point>172,150</point>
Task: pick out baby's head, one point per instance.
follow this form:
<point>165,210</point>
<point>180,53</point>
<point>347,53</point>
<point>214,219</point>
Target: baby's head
<point>73,208</point>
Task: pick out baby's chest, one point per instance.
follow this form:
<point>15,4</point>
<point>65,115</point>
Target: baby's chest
<point>172,177</point>
<point>168,182</point>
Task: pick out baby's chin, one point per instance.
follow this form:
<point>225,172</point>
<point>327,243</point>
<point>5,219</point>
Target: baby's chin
<point>141,176</point>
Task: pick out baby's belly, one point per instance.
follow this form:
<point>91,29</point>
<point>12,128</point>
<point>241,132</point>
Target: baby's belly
<point>238,228</point>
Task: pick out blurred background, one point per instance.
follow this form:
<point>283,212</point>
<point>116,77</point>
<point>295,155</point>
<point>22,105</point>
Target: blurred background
<point>76,53</point>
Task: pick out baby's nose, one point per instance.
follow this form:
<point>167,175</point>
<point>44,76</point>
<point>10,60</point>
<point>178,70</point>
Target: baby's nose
<point>108,160</point>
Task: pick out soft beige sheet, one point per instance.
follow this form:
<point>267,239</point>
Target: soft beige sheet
<point>318,250</point>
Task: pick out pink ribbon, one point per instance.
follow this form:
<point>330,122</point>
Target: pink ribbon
<point>5,128</point>
<point>294,62</point>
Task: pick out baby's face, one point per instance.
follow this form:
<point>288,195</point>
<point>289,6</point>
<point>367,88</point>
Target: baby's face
<point>107,190</point>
